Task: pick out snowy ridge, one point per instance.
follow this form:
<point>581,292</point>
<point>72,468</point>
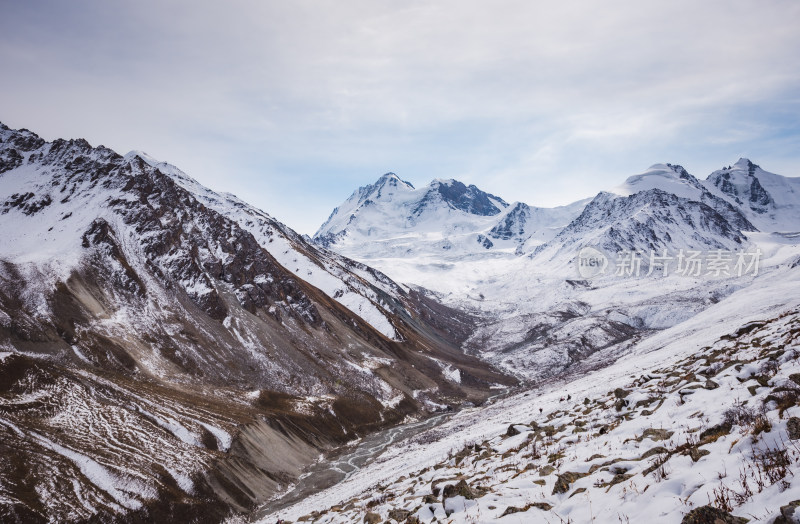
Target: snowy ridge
<point>286,246</point>
<point>446,218</point>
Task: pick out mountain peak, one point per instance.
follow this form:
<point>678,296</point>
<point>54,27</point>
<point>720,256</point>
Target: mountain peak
<point>393,180</point>
<point>467,198</point>
<point>130,155</point>
<point>665,170</point>
<point>666,177</point>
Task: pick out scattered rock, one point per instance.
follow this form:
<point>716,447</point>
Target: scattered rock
<point>656,434</point>
<point>546,470</point>
<point>621,393</point>
<point>372,518</point>
<point>512,431</point>
<point>653,451</point>
<point>399,514</point>
<point>710,384</point>
<point>429,499</point>
<point>715,432</point>
<point>795,377</point>
<point>565,480</point>
<point>711,515</point>
<point>793,428</point>
<point>790,513</point>
<point>460,489</point>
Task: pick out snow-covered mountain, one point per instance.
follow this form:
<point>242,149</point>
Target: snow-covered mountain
<point>770,201</point>
<point>168,352</point>
<point>156,337</point>
<point>664,208</point>
<point>540,315</point>
<point>446,218</point>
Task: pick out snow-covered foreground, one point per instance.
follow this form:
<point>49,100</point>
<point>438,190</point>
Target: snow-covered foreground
<point>703,413</point>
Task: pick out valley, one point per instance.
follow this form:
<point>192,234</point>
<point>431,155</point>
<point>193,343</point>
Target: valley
<point>170,352</point>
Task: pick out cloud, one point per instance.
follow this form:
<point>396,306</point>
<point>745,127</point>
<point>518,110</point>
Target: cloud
<point>294,104</point>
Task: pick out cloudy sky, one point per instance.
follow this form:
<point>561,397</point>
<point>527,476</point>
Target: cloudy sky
<point>293,104</point>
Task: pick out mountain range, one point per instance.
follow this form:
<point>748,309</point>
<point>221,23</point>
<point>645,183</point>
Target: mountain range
<point>392,219</point>
<point>168,352</point>
<point>514,265</point>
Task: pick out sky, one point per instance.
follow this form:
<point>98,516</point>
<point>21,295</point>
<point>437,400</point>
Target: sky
<point>292,105</point>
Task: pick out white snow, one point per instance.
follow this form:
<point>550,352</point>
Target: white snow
<point>224,439</point>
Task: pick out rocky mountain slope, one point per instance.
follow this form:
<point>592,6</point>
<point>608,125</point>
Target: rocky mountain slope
<point>698,424</point>
<point>168,352</point>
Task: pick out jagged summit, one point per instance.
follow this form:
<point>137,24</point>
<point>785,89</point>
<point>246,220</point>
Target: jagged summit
<point>469,198</point>
<point>393,206</point>
<point>446,216</point>
<point>390,176</point>
<point>770,201</point>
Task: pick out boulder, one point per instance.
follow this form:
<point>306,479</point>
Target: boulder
<point>512,431</point>
<point>656,434</point>
<point>461,489</point>
<point>399,514</point>
<point>793,428</point>
<point>711,515</point>
<point>565,480</point>
<point>790,513</point>
<point>372,518</point>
